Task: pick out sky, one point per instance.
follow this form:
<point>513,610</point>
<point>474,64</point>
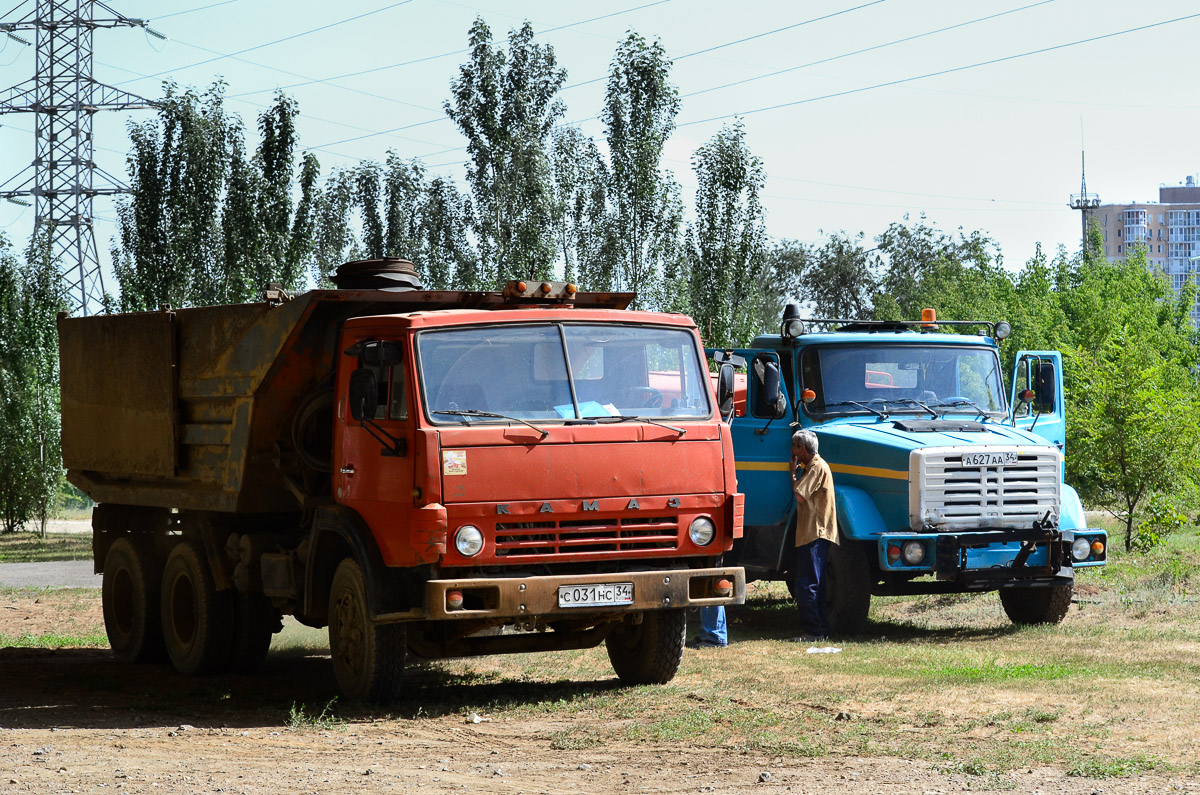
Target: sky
<point>971,112</point>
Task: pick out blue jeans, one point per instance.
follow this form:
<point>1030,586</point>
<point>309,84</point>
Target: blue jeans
<point>809,572</point>
<point>712,626</point>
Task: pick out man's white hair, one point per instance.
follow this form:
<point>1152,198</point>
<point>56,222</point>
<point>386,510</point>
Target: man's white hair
<point>806,439</point>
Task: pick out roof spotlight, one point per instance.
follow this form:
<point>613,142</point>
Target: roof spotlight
<point>1003,329</point>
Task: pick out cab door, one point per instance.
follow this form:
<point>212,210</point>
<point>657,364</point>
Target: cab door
<point>373,470</point>
<point>1036,399</point>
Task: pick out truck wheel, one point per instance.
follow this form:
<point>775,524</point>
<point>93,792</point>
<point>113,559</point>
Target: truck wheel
<point>847,588</point>
<point>368,659</point>
<point>255,621</point>
<point>129,595</point>
<point>1037,605</point>
<point>648,653</point>
<point>194,614</point>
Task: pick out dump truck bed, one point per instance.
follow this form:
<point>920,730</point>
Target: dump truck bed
<point>193,408</point>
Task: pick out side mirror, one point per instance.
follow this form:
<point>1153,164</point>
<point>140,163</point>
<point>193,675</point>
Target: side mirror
<point>364,394</point>
<point>725,390</point>
<point>376,353</point>
<point>768,397</point>
<point>1045,388</point>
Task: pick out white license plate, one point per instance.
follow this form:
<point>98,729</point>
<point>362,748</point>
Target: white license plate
<point>598,595</point>
<point>988,459</point>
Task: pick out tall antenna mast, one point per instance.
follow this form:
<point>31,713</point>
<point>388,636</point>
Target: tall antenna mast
<point>63,177</point>
<point>1083,201</point>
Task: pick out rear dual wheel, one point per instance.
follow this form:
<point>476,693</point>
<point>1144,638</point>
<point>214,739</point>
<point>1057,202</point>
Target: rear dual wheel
<point>129,594</point>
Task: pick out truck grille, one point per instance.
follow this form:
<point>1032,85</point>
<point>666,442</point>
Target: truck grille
<point>542,540</point>
<point>949,496</point>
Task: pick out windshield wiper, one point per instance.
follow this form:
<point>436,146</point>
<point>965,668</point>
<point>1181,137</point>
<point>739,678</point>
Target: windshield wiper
<point>628,417</point>
<point>915,402</point>
<point>477,413</point>
<point>965,402</point>
<point>883,415</point>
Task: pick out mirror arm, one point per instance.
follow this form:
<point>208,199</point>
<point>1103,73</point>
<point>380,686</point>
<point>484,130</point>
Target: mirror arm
<point>392,447</point>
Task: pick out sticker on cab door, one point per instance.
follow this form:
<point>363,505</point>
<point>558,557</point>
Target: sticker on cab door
<point>454,462</point>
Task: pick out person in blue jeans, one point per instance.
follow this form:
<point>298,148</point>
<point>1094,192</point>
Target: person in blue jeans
<point>816,532</point>
<point>713,634</point>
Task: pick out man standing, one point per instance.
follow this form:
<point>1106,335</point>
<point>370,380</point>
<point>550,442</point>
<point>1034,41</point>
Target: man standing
<point>816,531</point>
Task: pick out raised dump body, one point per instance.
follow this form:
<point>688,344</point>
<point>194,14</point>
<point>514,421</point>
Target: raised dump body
<point>426,472</point>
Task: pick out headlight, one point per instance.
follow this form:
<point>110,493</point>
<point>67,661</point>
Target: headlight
<point>702,531</point>
<point>1003,329</point>
<point>793,328</point>
<point>913,553</point>
<point>1081,548</point>
<point>468,541</point>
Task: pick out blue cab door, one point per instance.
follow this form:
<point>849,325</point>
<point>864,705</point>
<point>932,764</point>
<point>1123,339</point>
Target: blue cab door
<point>763,444</point>
<point>1038,376</point>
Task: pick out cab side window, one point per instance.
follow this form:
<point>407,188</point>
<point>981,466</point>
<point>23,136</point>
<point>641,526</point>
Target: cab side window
<point>392,390</point>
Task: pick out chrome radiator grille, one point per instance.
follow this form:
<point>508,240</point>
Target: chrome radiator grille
<point>949,496</point>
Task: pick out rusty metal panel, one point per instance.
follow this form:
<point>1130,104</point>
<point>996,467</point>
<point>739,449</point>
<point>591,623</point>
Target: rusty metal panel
<point>118,393</point>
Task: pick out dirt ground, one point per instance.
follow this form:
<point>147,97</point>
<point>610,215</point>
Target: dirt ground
<point>74,720</point>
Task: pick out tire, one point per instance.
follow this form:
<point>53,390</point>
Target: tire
<point>847,588</point>
<point>129,594</point>
<point>1030,606</point>
<point>254,620</point>
<point>648,653</point>
<point>368,659</point>
<point>195,616</point>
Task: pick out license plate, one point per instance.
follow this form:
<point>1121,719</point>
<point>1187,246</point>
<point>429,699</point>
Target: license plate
<point>988,459</point>
<point>599,595</point>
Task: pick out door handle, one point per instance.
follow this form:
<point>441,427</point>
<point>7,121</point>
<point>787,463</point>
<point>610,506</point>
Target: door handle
<point>347,470</point>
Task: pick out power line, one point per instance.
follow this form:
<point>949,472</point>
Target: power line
<point>867,49</point>
<point>454,52</point>
<point>748,38</point>
<point>942,71</point>
<point>278,41</point>
<point>192,10</point>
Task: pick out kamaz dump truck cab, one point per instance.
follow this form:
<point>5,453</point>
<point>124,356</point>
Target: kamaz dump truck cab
<point>945,481</point>
<point>440,474</point>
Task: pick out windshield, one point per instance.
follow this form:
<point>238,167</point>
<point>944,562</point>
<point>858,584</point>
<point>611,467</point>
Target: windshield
<point>561,371</point>
<point>903,378</point>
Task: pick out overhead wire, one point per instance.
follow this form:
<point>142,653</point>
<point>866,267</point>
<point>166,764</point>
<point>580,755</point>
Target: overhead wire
<point>158,17</point>
<point>940,72</point>
<point>279,41</point>
<point>453,52</point>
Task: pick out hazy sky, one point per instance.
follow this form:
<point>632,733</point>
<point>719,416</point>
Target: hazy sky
<point>849,139</point>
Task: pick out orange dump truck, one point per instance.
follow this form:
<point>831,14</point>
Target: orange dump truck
<point>435,473</point>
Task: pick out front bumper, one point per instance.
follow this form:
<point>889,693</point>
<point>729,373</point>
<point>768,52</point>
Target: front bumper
<point>522,597</point>
<point>988,559</point>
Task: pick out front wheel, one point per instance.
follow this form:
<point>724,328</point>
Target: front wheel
<point>1029,606</point>
<point>368,658</point>
<point>847,588</point>
<point>648,653</point>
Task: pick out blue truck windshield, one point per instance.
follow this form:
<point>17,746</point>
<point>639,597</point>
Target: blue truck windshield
<point>560,371</point>
<point>899,378</point>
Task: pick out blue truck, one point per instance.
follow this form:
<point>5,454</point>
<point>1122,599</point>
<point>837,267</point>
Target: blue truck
<point>946,481</point>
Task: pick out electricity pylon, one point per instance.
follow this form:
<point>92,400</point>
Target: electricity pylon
<point>63,96</point>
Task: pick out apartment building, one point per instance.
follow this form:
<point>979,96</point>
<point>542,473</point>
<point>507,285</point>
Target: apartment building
<point>1168,228</point>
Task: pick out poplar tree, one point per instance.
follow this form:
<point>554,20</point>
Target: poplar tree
<point>504,103</point>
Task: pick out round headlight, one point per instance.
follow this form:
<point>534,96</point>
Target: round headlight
<point>702,531</point>
<point>1003,329</point>
<point>913,553</point>
<point>468,541</point>
<point>793,327</point>
<point>1081,548</point>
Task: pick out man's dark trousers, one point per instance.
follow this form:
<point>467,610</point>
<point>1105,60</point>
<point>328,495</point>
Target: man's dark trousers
<point>809,572</point>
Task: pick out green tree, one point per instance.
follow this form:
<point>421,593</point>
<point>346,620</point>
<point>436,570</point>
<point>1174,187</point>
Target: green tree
<point>30,454</point>
<point>639,113</point>
<point>839,278</point>
<point>728,242</point>
<point>447,258</point>
<point>208,223</point>
<point>504,103</point>
<point>581,228</point>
